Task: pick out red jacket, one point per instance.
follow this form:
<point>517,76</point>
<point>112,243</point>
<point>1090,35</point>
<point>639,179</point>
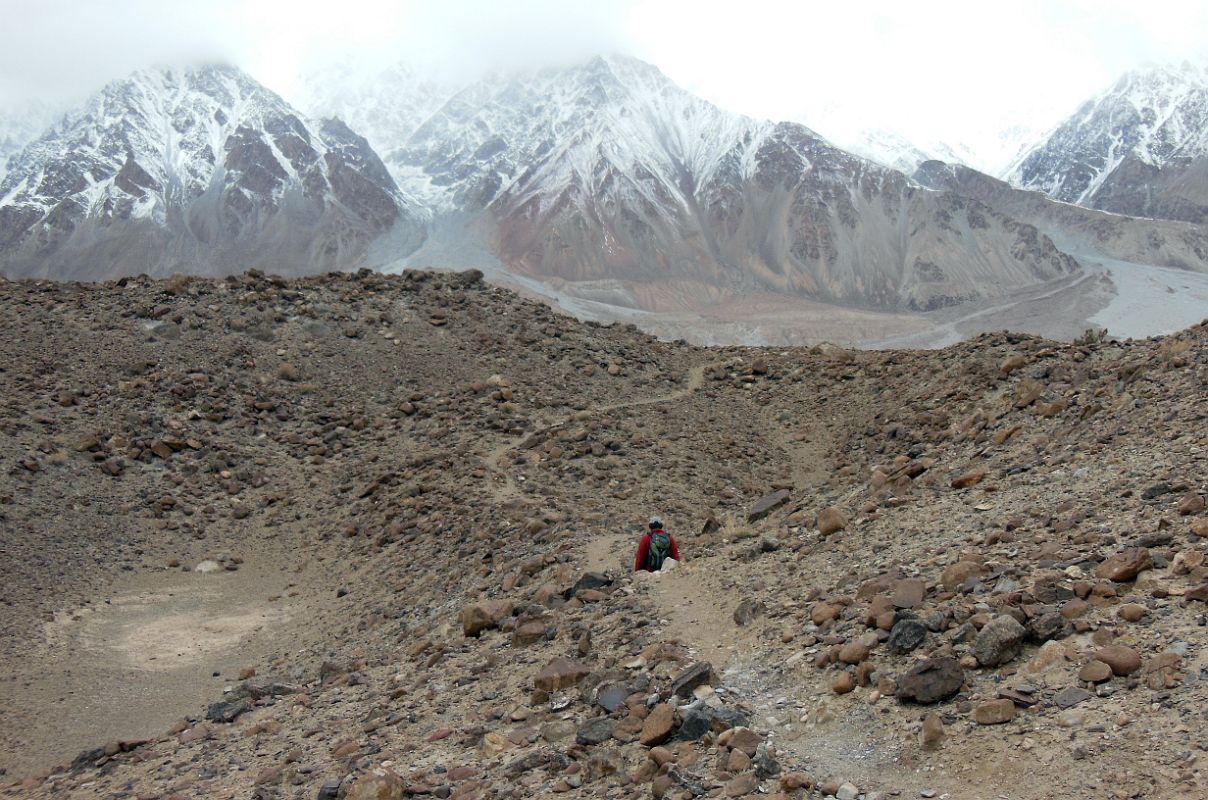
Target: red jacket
<point>639,560</point>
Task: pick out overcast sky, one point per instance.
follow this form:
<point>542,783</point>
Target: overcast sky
<point>930,69</point>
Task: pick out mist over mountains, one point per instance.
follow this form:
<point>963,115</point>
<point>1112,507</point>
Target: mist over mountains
<point>610,190</point>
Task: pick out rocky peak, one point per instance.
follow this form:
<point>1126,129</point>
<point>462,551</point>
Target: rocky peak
<point>1139,148</point>
<point>202,158</point>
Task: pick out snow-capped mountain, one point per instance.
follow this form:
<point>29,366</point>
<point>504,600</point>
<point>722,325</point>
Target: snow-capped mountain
<point>198,170</point>
<point>608,172</point>
<point>1140,148</point>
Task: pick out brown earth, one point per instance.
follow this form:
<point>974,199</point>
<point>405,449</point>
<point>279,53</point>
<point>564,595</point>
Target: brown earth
<point>364,456</point>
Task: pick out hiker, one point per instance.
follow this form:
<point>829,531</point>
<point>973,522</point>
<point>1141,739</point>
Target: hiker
<point>656,547</point>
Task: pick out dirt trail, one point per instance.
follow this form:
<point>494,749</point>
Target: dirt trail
<point>696,602</point>
<point>507,490</point>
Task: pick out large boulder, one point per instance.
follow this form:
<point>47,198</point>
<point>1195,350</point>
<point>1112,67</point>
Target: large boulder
<point>999,641</point>
<point>767,504</point>
<point>831,520</point>
<point>384,785</point>
<point>931,681</point>
<point>478,617</point>
<point>1125,566</point>
<point>559,674</point>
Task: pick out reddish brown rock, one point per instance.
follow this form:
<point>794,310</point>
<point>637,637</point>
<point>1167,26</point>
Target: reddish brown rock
<point>657,726</point>
<point>1095,672</point>
<point>528,633</point>
<point>742,785</point>
<point>381,785</point>
<point>1011,363</point>
<point>823,613</point>
<point>853,652</point>
<point>908,593</point>
<point>478,617</point>
<point>792,781</point>
<point>843,683</point>
<point>1132,612</point>
<point>1123,660</point>
<point>831,520</point>
<point>954,576</point>
<point>967,479</point>
<point>932,734</point>
<point>744,739</point>
<point>1162,671</point>
<point>559,674</point>
<point>1125,566</point>
<point>1191,503</point>
<point>994,712</point>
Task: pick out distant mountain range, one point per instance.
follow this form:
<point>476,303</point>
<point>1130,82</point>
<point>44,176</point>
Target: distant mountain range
<point>603,185</point>
<point>200,170</point>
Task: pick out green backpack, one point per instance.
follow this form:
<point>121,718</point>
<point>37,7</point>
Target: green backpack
<point>660,547</point>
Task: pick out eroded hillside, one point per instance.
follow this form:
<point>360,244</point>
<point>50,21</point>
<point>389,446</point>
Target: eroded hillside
<point>367,536</point>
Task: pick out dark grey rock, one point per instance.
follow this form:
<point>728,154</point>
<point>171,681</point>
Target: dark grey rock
<point>228,710</point>
<point>964,633</point>
<point>747,612</point>
<point>906,635</point>
<point>1047,626</point>
<point>767,504</point>
<point>765,766</point>
<point>1071,696</point>
<point>594,731</point>
<point>610,698</point>
<point>699,719</point>
<point>999,641</point>
<point>931,681</point>
<point>1155,491</point>
<point>699,674</point>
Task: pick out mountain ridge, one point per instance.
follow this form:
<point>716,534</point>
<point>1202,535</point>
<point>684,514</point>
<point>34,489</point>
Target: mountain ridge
<point>1139,148</point>
<point>189,170</point>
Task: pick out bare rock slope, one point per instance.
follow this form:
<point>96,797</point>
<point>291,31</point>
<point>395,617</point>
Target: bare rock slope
<point>905,573</point>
